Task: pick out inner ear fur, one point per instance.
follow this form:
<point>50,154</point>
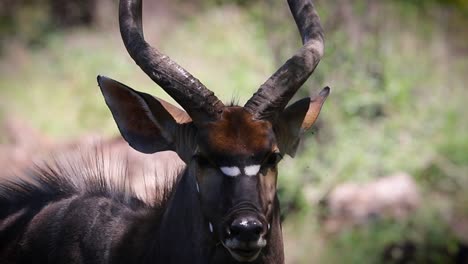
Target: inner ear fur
<point>297,119</point>
<point>147,123</point>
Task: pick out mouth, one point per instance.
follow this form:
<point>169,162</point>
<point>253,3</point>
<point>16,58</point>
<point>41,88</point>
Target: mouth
<point>244,252</point>
<point>244,255</point>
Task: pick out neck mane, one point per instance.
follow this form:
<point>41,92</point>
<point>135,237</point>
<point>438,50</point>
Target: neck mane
<point>181,234</point>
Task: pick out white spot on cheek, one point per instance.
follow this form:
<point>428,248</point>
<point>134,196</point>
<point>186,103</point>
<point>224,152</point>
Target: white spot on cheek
<point>252,170</point>
<point>198,188</point>
<point>231,171</point>
<point>211,227</point>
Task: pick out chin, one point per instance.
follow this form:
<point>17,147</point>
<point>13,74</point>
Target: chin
<point>244,251</point>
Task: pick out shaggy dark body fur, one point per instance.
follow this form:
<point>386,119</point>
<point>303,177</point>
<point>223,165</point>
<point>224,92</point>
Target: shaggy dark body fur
<point>72,209</point>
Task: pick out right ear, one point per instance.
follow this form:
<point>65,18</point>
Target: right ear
<point>148,124</point>
<point>296,119</point>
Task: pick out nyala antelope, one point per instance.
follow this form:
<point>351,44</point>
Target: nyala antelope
<point>222,208</point>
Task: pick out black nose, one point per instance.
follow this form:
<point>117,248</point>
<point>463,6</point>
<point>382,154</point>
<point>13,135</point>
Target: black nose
<point>246,228</point>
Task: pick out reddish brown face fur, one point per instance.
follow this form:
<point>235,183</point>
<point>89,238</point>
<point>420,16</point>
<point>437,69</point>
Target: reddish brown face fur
<point>237,134</point>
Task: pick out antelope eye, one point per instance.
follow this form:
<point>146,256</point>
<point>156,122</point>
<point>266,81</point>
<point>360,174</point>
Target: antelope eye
<point>273,159</point>
<point>203,161</point>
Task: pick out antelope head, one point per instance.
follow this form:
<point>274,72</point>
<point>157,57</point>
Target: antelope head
<point>232,152</point>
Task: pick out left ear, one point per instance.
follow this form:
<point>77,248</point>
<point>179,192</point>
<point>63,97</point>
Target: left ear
<point>296,119</point>
<point>147,123</point>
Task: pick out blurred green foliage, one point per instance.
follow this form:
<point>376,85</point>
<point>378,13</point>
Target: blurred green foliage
<point>422,239</point>
<point>397,73</point>
<point>26,21</point>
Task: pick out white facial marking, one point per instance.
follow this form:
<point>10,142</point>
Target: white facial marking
<point>211,227</point>
<point>198,188</point>
<point>268,226</point>
<point>252,170</point>
<point>244,222</point>
<point>231,171</point>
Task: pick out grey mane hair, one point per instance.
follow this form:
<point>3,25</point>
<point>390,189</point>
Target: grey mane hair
<point>88,171</point>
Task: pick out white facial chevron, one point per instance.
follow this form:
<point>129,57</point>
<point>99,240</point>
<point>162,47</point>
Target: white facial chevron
<point>251,170</point>
<point>234,171</point>
<point>231,171</point>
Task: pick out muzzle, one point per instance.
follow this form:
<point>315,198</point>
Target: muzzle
<point>245,230</point>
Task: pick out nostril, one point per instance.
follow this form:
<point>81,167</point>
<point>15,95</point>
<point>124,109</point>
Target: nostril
<point>257,229</point>
<point>236,228</point>
<point>246,229</point>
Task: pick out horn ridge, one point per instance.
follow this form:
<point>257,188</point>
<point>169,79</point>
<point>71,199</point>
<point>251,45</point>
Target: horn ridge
<point>199,102</point>
<point>273,95</point>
